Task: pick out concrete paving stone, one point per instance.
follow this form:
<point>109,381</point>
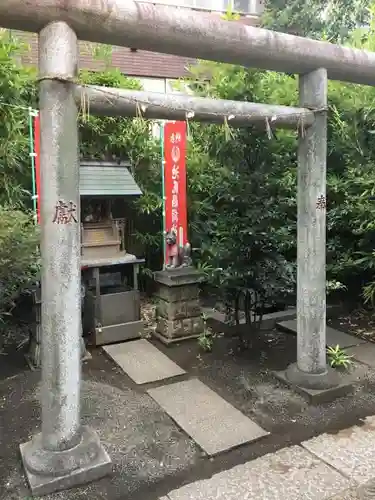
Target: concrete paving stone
<point>350,451</point>
<point>364,353</point>
<point>334,337</point>
<point>213,423</point>
<point>291,473</point>
<point>142,361</point>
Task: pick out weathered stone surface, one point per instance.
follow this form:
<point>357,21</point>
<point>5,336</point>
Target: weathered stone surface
<point>85,462</point>
<point>316,396</point>
<point>350,451</point>
<point>142,361</point>
<point>352,494</point>
<point>334,337</point>
<point>179,277</point>
<point>178,310</point>
<point>178,293</point>
<point>213,423</point>
<point>346,382</point>
<point>291,473</point>
<point>180,327</point>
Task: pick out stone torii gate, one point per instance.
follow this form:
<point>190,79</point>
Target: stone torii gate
<point>65,453</point>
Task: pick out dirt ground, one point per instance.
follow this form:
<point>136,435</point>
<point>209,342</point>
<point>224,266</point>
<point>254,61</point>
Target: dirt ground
<point>151,454</point>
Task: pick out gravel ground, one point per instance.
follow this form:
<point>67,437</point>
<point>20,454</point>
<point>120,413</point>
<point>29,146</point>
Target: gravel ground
<point>151,455</point>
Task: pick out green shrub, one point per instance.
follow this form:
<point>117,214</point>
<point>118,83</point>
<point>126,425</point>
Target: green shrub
<point>19,260</point>
<point>241,183</point>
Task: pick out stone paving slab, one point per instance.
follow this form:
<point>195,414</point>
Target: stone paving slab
<point>364,353</point>
<point>291,473</point>
<point>142,361</point>
<point>213,423</point>
<point>351,451</point>
<point>334,337</point>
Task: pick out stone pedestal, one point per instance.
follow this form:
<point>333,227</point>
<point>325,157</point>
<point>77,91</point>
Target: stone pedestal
<point>178,312</point>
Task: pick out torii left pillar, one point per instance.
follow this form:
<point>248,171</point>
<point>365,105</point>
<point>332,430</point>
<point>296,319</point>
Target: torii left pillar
<point>65,454</point>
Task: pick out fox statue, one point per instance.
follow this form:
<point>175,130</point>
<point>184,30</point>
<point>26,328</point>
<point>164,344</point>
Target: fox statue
<point>177,256</point>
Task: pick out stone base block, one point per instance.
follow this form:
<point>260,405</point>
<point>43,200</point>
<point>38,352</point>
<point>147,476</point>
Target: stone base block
<point>178,285</point>
<point>171,341</point>
<point>181,328</point>
<point>178,277</point>
<point>178,293</point>
<point>316,381</point>
<point>48,472</point>
<point>330,386</point>
<point>178,310</point>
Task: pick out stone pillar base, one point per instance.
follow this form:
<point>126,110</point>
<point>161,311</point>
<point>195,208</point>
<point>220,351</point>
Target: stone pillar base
<point>315,381</point>
<point>48,471</point>
<point>318,388</point>
<point>178,311</point>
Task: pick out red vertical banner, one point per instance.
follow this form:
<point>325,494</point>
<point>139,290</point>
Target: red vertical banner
<point>175,181</point>
<point>37,163</point>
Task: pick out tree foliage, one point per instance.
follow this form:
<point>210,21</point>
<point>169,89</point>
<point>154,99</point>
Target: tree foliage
<point>17,94</point>
<point>128,139</point>
<point>19,258</point>
<point>241,183</point>
<point>334,20</point>
<point>250,235</point>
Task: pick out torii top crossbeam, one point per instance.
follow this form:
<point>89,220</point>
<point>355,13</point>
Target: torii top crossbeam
<point>182,32</point>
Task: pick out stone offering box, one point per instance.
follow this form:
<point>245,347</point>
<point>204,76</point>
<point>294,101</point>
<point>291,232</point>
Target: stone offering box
<point>178,311</point>
<point>112,307</point>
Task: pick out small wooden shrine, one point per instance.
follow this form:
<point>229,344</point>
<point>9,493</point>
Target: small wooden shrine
<point>103,186</point>
<point>109,272</point>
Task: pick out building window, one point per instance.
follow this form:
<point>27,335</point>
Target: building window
<point>242,6</point>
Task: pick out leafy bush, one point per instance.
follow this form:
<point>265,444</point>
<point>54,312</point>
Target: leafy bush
<point>241,183</point>
<point>338,358</point>
<point>130,139</point>
<point>17,93</point>
<point>19,260</point>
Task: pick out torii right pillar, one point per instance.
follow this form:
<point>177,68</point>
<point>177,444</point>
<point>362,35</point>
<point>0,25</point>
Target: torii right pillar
<point>311,372</point>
